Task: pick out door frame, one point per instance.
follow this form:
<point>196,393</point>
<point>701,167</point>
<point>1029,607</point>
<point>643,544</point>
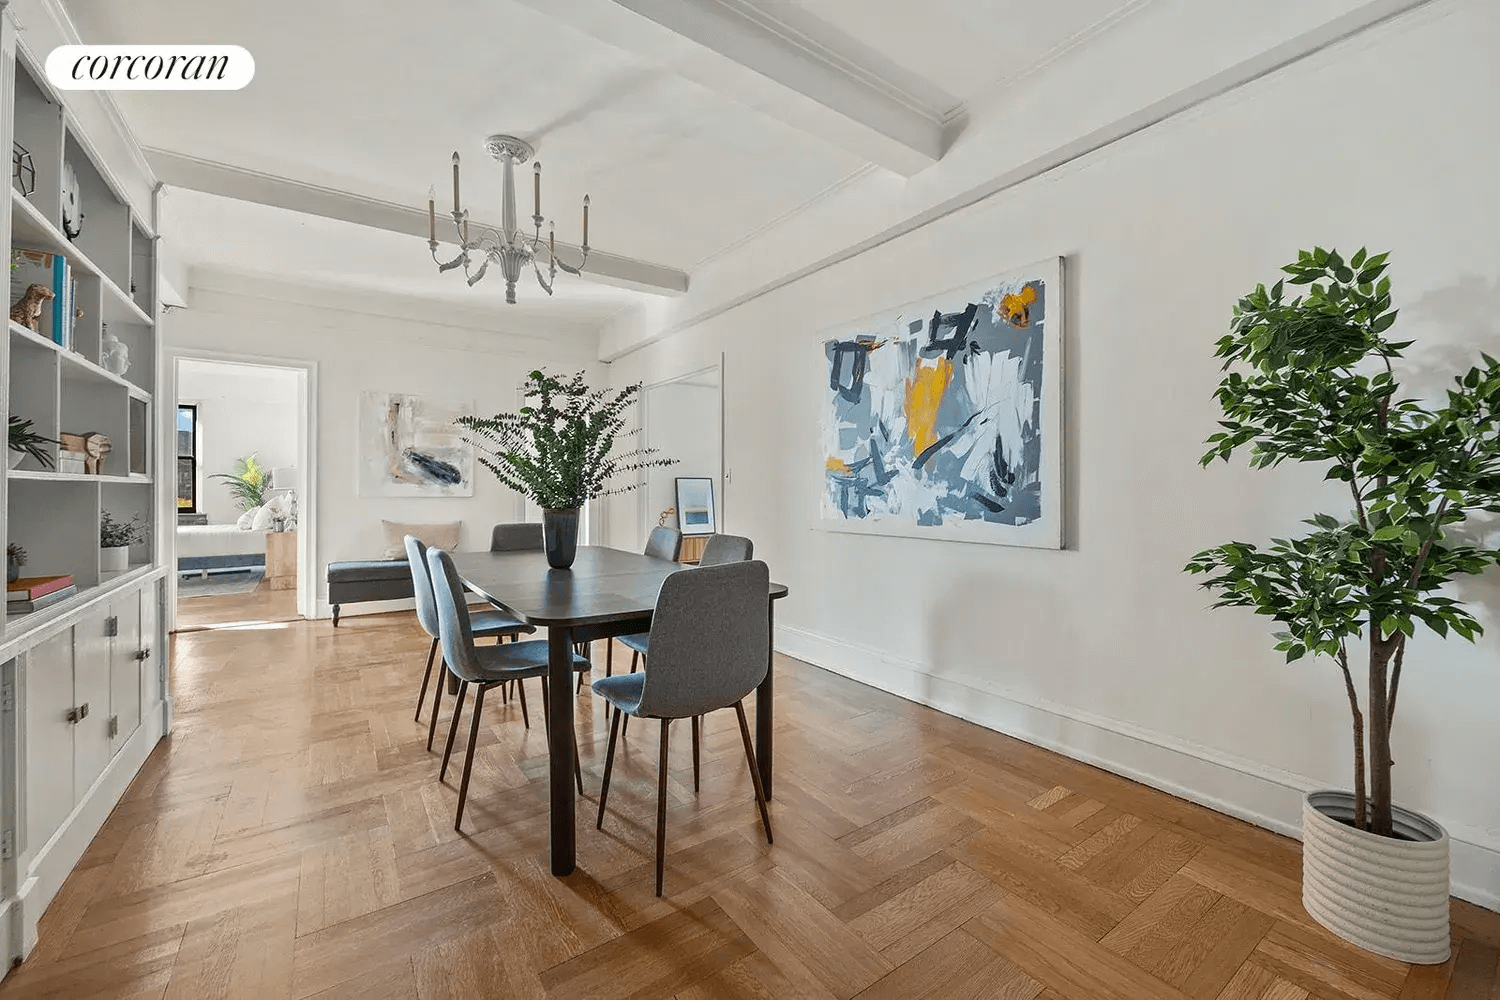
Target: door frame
<point>307,459</point>
<point>721,498</point>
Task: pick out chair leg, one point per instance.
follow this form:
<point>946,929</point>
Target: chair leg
<point>609,657</point>
<point>426,679</point>
<point>635,659</point>
<point>760,792</point>
<point>437,701</point>
<point>661,806</point>
<point>696,720</point>
<point>577,765</point>
<point>521,696</point>
<point>609,763</point>
<point>458,708</point>
<point>463,785</point>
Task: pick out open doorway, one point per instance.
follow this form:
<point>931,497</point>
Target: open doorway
<point>683,418</point>
<point>240,435</point>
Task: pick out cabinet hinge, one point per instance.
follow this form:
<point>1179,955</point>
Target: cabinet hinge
<point>7,845</point>
<point>111,626</point>
<point>114,726</point>
<point>8,696</point>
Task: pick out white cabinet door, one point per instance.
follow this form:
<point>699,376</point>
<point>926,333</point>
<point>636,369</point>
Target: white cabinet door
<point>49,737</point>
<point>125,671</point>
<point>152,645</point>
<point>91,654</point>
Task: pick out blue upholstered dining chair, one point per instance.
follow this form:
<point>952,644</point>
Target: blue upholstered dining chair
<point>711,638</point>
<point>719,550</point>
<point>485,623</point>
<point>483,667</point>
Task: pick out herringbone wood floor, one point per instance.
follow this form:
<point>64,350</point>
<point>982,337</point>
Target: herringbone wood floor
<point>291,840</point>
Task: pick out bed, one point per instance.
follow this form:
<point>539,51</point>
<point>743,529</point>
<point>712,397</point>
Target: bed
<point>219,548</point>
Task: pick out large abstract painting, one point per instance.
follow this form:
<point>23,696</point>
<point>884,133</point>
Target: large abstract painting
<point>409,447</point>
<point>942,419</point>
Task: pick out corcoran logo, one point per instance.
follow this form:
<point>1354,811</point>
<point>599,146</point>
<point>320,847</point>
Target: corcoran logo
<point>150,67</point>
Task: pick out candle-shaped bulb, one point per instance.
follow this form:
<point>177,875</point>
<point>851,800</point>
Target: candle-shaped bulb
<point>455,181</point>
<point>536,177</point>
<point>431,215</point>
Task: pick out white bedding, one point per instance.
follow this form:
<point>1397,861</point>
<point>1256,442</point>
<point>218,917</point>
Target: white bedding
<point>198,540</point>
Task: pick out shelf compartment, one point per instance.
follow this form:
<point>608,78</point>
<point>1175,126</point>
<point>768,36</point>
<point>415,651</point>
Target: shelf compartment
<point>34,372</point>
<point>73,364</point>
<point>32,230</point>
<point>105,229</point>
<point>18,627</point>
<point>123,501</point>
<point>142,285</point>
<point>57,523</point>
<point>39,127</point>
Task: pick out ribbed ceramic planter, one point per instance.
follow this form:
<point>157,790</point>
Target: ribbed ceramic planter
<point>1386,895</point>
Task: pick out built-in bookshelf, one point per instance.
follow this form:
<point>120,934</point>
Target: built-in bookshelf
<point>59,375</point>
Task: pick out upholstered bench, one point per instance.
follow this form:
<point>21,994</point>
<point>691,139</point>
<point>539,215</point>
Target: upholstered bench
<point>367,580</point>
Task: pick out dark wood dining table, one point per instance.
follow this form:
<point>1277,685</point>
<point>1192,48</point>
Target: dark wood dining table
<point>606,593</point>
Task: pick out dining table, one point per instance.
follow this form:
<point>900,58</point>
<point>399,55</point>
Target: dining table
<point>605,593</point>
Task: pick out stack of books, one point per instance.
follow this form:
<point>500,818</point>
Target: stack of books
<point>33,593</point>
<point>60,316</point>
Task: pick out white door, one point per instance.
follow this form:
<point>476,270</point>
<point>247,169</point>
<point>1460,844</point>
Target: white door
<point>91,689</point>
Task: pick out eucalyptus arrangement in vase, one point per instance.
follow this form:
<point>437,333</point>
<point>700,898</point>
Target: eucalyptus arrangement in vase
<point>557,450</point>
<point>1310,379</point>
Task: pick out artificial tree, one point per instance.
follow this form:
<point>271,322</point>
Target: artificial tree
<point>558,450</point>
<point>1310,379</point>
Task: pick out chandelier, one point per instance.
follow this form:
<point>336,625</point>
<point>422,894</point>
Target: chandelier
<point>510,247</point>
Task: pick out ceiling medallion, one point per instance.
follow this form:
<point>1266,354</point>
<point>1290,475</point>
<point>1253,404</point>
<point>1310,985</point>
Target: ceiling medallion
<point>509,247</point>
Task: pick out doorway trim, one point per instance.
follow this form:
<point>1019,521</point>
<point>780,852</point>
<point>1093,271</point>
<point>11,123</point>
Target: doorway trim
<point>307,458</point>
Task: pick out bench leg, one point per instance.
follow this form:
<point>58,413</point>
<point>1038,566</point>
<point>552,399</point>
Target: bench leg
<point>335,616</point>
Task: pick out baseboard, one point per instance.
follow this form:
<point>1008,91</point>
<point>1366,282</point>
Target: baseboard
<point>1257,793</point>
<point>51,865</point>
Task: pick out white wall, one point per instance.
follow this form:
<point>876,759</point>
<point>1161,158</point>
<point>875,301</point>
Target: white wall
<point>363,343</point>
<point>242,409</point>
<point>1107,650</point>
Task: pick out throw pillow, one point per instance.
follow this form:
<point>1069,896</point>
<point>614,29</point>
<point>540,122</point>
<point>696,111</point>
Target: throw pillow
<point>247,519</point>
<point>265,518</point>
<point>442,536</point>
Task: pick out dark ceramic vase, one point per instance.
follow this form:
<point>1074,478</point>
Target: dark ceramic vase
<point>560,536</point>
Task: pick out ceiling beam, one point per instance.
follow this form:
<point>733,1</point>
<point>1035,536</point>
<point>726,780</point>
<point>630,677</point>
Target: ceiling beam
<point>801,71</point>
<point>210,177</point>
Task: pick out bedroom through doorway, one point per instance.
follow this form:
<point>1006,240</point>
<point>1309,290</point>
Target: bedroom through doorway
<point>239,434</point>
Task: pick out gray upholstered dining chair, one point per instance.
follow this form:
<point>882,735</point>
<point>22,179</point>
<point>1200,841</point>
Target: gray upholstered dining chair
<point>483,667</point>
<point>664,543</point>
<point>521,536</point>
<point>719,550</point>
<point>712,642</point>
<point>485,623</point>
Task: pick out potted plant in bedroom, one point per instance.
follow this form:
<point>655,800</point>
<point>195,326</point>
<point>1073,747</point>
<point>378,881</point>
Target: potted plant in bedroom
<point>556,451</point>
<point>1311,379</point>
<point>116,538</point>
<point>25,441</point>
<point>248,483</point>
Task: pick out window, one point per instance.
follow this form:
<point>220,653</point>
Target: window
<point>187,458</point>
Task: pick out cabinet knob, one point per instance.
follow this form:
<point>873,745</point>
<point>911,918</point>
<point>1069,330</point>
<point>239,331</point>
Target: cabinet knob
<point>78,714</point>
<point>143,654</point>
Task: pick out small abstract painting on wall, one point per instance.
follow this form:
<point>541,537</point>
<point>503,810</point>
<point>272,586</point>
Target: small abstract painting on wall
<point>409,447</point>
<point>943,419</point>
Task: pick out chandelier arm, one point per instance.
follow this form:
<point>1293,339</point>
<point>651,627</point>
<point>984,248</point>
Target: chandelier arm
<point>574,270</point>
<point>448,265</point>
<point>546,285</point>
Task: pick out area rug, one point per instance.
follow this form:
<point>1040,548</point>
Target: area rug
<point>220,584</point>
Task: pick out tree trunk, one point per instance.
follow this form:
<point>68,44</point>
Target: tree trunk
<point>1360,814</point>
<point>1380,732</point>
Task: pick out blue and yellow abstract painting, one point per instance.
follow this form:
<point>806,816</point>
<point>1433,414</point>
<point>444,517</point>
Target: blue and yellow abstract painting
<point>943,418</point>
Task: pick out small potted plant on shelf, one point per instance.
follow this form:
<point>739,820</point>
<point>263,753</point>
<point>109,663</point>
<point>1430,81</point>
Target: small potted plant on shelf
<point>557,451</point>
<point>25,441</point>
<point>115,539</point>
<point>15,558</point>
<point>1311,379</point>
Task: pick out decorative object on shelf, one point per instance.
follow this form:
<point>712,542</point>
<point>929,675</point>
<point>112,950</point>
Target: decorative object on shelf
<point>409,446</point>
<point>114,356</point>
<point>22,169</point>
<point>23,595</point>
<point>52,271</point>
<point>695,506</point>
<point>96,449</point>
<point>943,418</point>
<point>510,246</point>
<point>1311,379</point>
<point>27,310</point>
<point>24,441</point>
<point>556,451</point>
<point>115,539</point>
<point>72,454</point>
<point>15,558</point>
<point>247,483</point>
<point>72,204</point>
<point>661,520</point>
